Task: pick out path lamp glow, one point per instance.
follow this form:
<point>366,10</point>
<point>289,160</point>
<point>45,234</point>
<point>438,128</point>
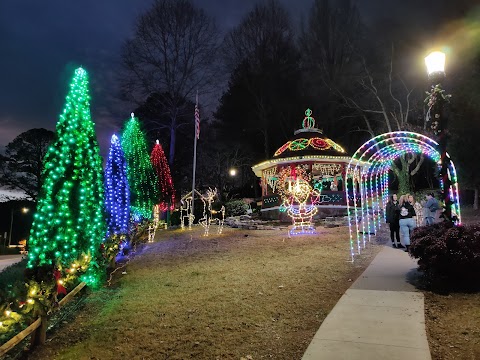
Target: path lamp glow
<point>24,210</point>
<point>438,119</point>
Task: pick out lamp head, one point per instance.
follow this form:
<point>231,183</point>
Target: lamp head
<point>435,63</point>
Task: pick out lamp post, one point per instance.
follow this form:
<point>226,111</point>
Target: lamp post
<point>438,119</point>
<point>24,210</point>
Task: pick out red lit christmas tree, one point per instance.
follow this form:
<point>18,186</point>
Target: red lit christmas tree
<point>164,178</point>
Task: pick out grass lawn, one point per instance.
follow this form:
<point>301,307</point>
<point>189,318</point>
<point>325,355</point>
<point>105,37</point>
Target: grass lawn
<point>242,294</point>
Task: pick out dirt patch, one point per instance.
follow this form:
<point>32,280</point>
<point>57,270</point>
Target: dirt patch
<point>453,325</point>
<point>245,293</point>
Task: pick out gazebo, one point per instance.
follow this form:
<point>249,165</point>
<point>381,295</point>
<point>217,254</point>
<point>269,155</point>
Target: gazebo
<point>310,156</point>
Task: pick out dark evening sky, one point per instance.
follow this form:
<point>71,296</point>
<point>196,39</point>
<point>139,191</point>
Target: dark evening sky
<point>42,41</point>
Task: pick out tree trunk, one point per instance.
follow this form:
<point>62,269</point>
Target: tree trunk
<point>266,147</point>
<point>475,200</point>
<point>171,153</point>
<point>403,176</point>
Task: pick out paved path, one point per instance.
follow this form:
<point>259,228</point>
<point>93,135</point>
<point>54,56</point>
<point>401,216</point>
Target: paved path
<point>7,260</point>
<point>380,317</point>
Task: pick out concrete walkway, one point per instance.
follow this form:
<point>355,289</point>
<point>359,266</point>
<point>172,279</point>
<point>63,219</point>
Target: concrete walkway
<point>7,260</point>
<point>381,316</point>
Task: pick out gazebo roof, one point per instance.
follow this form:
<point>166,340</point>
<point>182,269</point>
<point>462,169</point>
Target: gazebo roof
<point>309,141</point>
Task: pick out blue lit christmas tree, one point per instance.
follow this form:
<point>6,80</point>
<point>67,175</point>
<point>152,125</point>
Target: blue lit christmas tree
<point>69,224</point>
<point>117,193</point>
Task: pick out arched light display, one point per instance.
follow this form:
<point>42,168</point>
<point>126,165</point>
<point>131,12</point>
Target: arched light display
<point>369,168</point>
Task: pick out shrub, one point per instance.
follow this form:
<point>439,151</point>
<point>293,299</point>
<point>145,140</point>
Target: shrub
<point>12,282</point>
<point>175,218</point>
<point>235,208</point>
<point>448,253</point>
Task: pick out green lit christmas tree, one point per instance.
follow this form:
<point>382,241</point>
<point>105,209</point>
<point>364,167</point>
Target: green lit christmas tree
<point>140,174</point>
<point>69,225</point>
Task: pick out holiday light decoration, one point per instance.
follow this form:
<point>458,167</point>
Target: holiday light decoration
<point>140,174</point>
<point>164,179</point>
<point>269,177</point>
<point>151,233</point>
<point>156,216</point>
<point>373,161</point>
<point>316,143</point>
<point>211,216</point>
<point>69,222</point>
<point>186,209</point>
<point>117,193</point>
<point>299,199</point>
<point>288,174</point>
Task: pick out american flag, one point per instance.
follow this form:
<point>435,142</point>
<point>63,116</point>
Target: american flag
<point>197,119</point>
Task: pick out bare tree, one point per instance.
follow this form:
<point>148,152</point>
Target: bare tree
<point>260,53</point>
<point>327,42</point>
<point>385,104</point>
<point>173,53</point>
<point>333,30</point>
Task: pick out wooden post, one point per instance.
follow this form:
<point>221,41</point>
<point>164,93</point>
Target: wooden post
<point>39,337</point>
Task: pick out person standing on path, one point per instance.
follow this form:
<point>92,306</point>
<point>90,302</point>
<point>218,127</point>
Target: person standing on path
<point>392,218</point>
<point>431,207</point>
<point>418,210</point>
<point>407,219</point>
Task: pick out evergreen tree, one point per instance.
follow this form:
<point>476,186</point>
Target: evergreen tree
<point>69,225</point>
<point>117,192</point>
<point>141,178</point>
<point>164,179</point>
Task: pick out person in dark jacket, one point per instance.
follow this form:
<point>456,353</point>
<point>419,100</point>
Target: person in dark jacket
<point>407,218</point>
<point>392,217</point>
<point>431,208</point>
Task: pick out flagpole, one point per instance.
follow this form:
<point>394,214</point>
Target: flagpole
<point>194,159</point>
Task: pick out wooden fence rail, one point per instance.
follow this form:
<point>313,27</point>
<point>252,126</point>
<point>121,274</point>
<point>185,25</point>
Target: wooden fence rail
<point>10,344</point>
<point>38,329</point>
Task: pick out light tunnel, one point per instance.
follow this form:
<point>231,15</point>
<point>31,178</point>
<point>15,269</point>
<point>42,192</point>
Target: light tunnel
<point>368,170</point>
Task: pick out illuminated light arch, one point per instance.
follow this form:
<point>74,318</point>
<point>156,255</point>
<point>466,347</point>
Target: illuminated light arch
<point>370,165</point>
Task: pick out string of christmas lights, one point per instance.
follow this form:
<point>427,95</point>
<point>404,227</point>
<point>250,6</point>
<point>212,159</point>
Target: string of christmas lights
<point>165,186</point>
<point>316,143</point>
<point>299,199</point>
<point>140,174</point>
<point>372,161</point>
<point>69,223</point>
<point>117,192</point>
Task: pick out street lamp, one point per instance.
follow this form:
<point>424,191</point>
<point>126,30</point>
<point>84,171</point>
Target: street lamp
<point>233,172</point>
<point>24,210</point>
<point>437,101</point>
